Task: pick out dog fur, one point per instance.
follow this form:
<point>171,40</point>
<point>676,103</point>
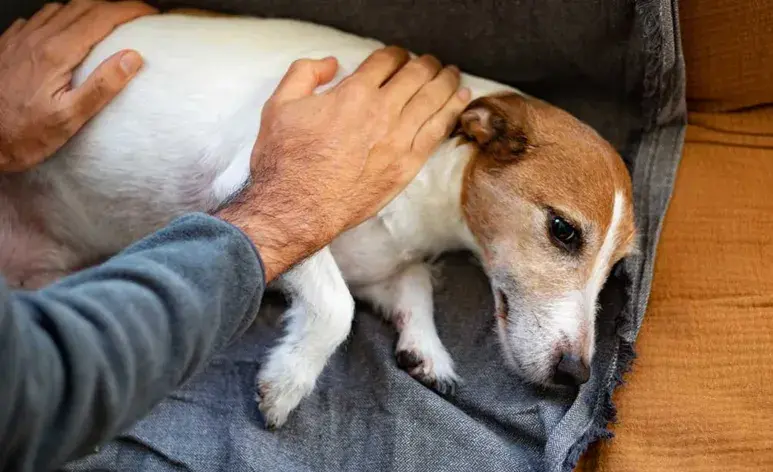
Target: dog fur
<point>179,139</point>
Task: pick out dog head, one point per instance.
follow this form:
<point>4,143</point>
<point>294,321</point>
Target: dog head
<point>549,203</point>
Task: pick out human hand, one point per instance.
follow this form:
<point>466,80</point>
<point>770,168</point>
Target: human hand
<point>39,109</point>
<point>324,163</point>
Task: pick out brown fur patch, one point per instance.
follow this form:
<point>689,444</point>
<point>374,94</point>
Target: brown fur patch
<point>556,163</point>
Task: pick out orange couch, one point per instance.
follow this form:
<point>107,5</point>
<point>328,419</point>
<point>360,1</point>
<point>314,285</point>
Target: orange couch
<point>700,395</point>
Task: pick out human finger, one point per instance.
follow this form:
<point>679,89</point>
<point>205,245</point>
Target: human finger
<point>427,101</point>
<point>11,32</point>
<point>440,125</point>
<point>93,25</point>
<point>381,65</point>
<point>101,87</point>
<point>303,77</point>
<point>410,79</point>
<point>39,20</point>
<point>65,16</point>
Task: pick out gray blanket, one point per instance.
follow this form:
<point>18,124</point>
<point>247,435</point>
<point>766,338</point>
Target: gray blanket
<point>616,64</point>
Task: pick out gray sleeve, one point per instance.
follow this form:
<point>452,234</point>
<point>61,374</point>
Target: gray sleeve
<point>85,358</point>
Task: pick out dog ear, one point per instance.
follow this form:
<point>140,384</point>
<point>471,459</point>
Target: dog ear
<point>495,127</point>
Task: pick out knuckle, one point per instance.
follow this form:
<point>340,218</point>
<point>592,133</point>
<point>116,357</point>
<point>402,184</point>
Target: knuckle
<point>390,53</point>
<point>18,23</point>
<point>387,52</point>
<point>355,90</point>
<point>70,127</point>
<point>423,100</point>
<point>452,82</point>
<point>63,115</point>
<point>106,86</point>
<point>450,74</point>
<point>80,5</point>
<point>268,108</point>
<point>51,6</point>
<point>443,86</point>
<point>433,95</point>
<point>102,86</point>
<point>429,64</point>
<point>31,43</point>
<point>271,116</point>
<point>110,14</point>
<point>439,129</point>
<point>416,71</point>
<point>377,56</point>
<point>48,51</point>
<point>300,66</point>
<point>277,120</point>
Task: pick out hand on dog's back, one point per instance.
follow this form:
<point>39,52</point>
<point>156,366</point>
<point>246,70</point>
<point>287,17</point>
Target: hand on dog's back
<point>323,163</point>
<point>39,109</point>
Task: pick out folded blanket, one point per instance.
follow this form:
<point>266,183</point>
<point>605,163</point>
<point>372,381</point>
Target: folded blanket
<point>616,64</point>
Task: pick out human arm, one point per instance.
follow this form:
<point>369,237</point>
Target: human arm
<point>85,358</point>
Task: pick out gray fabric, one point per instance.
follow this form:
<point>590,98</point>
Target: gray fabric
<point>616,64</point>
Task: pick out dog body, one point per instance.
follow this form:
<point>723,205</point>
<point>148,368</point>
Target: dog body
<point>539,197</point>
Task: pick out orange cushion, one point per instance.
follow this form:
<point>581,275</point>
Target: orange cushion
<point>700,396</point>
<point>728,49</point>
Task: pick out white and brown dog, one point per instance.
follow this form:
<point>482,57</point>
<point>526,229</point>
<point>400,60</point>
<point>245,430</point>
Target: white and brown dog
<point>538,196</point>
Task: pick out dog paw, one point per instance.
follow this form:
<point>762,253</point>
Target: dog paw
<point>280,390</point>
<point>277,400</point>
<point>434,368</point>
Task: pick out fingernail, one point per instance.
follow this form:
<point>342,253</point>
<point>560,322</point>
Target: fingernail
<point>454,69</point>
<point>130,62</point>
<point>464,94</point>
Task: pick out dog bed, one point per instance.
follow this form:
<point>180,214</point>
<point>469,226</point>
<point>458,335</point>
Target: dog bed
<point>616,64</point>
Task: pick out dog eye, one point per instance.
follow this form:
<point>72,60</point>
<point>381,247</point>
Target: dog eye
<point>563,233</point>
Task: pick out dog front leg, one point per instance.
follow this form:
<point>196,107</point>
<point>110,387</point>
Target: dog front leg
<point>318,321</point>
<point>406,300</point>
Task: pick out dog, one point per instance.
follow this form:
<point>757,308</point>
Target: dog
<point>541,200</point>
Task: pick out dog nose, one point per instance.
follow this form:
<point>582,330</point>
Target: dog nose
<point>571,370</point>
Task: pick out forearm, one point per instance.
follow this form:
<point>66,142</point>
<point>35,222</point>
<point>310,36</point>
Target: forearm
<point>87,357</point>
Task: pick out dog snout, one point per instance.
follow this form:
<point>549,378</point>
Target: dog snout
<point>571,370</point>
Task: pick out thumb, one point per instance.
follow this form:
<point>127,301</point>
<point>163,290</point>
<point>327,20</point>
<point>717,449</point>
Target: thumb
<point>104,84</point>
<point>303,77</point>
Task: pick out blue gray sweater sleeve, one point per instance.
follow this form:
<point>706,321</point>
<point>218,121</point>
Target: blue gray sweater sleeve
<point>83,359</point>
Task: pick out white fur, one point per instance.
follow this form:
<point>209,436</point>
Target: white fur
<point>534,334</point>
<point>599,274</point>
<point>318,321</point>
<point>178,139</point>
<point>565,320</point>
<point>378,259</point>
<point>406,299</point>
